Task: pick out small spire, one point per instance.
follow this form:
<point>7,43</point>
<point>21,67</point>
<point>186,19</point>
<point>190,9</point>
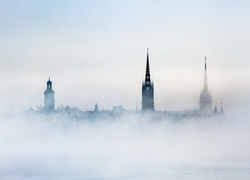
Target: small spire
<point>215,110</point>
<point>221,109</point>
<point>96,108</point>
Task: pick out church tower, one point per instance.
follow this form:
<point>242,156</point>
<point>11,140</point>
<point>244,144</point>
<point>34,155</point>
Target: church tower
<point>49,100</point>
<point>147,90</point>
<point>205,96</point>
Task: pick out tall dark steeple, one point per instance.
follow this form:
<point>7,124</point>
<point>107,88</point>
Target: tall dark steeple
<point>49,99</point>
<point>205,96</point>
<point>147,90</point>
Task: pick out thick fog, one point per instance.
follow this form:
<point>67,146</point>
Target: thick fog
<point>95,52</point>
<point>51,146</point>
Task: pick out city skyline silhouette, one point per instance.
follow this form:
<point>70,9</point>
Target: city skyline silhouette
<point>147,104</point>
<point>100,44</point>
<point>109,89</point>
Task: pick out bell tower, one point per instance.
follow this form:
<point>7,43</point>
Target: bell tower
<point>49,99</point>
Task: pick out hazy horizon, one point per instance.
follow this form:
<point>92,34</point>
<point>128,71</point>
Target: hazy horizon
<point>95,52</point>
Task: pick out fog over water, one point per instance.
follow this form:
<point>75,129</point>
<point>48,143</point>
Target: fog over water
<point>133,147</point>
<point>95,52</point>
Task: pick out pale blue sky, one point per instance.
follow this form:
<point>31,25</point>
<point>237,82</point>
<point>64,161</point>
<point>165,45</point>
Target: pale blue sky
<point>95,51</point>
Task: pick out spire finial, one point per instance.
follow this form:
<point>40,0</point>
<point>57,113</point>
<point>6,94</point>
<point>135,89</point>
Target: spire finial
<point>205,62</point>
<point>147,58</point>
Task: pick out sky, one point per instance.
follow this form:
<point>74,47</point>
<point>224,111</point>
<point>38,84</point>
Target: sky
<point>95,52</point>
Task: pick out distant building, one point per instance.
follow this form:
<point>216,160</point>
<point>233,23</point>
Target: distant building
<point>49,99</point>
<point>147,91</point>
<point>96,108</point>
<point>205,96</point>
<point>222,109</point>
<point>205,105</point>
<point>215,110</point>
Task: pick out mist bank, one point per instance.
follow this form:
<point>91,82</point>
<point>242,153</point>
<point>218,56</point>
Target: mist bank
<point>41,145</point>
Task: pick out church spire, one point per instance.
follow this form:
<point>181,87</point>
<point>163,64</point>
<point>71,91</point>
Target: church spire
<point>147,76</point>
<point>205,75</point>
<point>215,110</point>
<point>205,97</point>
<point>147,90</point>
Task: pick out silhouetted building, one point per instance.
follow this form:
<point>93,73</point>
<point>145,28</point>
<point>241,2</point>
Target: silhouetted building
<point>205,96</point>
<point>96,108</point>
<point>215,110</point>
<point>147,91</point>
<point>49,100</point>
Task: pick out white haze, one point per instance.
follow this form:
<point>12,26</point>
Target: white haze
<point>175,88</point>
<point>95,52</point>
<point>52,146</point>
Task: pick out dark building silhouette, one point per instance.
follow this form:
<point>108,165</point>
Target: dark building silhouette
<point>147,91</point>
<point>205,96</point>
<point>215,110</point>
<point>96,108</point>
<point>49,100</point>
<point>221,109</point>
